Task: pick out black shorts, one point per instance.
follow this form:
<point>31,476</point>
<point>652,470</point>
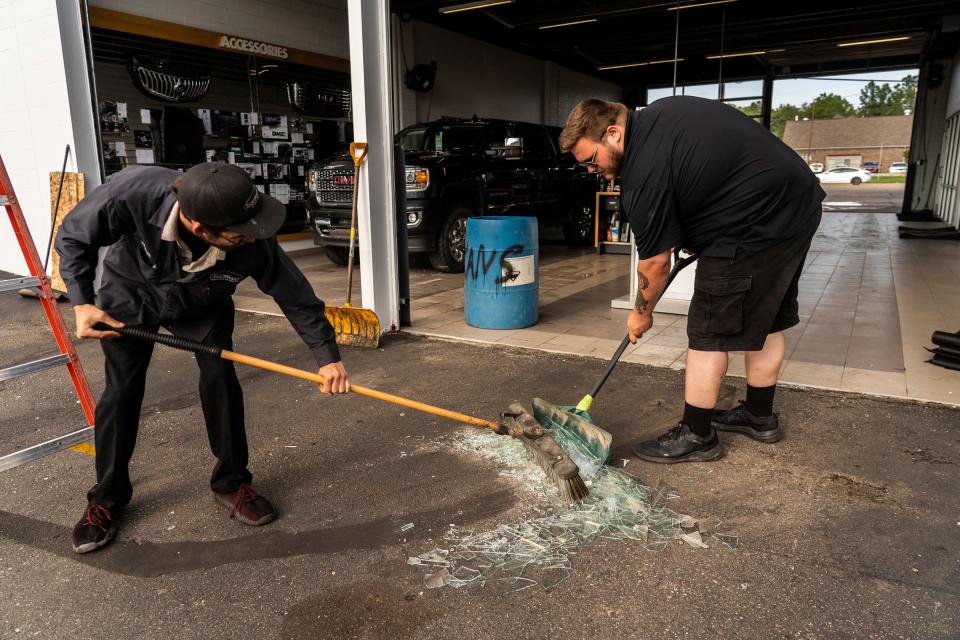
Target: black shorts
<point>737,302</point>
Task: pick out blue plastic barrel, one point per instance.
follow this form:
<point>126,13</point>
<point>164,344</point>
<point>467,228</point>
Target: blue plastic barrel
<point>501,288</point>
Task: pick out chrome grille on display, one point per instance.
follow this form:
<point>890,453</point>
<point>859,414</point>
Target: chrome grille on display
<point>169,81</point>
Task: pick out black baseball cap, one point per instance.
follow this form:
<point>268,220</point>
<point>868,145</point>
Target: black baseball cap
<point>223,195</point>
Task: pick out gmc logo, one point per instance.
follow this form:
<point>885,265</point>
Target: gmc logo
<point>343,181</point>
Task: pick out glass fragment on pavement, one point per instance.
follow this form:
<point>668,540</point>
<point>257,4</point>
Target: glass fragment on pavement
<point>537,552</point>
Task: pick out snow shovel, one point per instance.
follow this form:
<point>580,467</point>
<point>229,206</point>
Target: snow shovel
<point>354,326</point>
<point>572,427</point>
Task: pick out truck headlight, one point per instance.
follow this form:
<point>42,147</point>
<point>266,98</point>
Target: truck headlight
<point>417,179</point>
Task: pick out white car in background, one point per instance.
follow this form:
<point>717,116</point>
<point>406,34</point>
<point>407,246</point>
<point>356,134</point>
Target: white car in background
<point>844,175</point>
<point>898,167</point>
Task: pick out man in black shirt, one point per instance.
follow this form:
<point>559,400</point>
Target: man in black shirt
<point>700,175</point>
<point>178,246</point>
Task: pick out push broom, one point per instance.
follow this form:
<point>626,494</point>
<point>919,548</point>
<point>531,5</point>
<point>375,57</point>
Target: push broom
<point>518,424</point>
<point>589,445</point>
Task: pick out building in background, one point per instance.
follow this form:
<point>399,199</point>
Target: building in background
<point>851,142</point>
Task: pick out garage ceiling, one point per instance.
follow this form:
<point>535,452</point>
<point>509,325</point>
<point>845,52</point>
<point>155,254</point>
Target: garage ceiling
<point>758,37</point>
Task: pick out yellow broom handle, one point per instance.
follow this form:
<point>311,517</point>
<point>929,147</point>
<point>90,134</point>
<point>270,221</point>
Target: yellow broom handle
<point>364,391</point>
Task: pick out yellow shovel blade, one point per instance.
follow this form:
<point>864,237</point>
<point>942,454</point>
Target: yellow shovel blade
<point>356,327</point>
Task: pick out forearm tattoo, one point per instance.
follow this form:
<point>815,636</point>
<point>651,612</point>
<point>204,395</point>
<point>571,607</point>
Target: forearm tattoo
<point>641,304</point>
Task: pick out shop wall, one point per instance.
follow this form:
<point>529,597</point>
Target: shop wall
<point>476,78</point>
<point>575,86</point>
<point>928,135</point>
<point>315,25</point>
<point>35,117</point>
<point>953,99</point>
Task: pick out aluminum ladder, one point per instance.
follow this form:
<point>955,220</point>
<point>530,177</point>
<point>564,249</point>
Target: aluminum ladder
<point>68,353</point>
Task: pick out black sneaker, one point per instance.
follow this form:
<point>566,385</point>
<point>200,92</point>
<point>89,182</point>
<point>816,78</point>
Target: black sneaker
<point>247,506</point>
<point>740,420</point>
<point>95,530</point>
<point>680,445</point>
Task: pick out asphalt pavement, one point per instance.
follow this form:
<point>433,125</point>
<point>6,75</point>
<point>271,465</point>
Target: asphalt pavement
<point>864,198</point>
<point>848,528</point>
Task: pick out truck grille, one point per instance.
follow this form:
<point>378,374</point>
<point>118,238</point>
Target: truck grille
<point>334,185</point>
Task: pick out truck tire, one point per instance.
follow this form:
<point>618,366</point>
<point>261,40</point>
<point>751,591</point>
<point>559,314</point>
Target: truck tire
<point>339,256</point>
<point>578,230</point>
<point>451,242</point>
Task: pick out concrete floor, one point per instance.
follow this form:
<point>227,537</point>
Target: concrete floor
<point>869,303</point>
<point>849,527</point>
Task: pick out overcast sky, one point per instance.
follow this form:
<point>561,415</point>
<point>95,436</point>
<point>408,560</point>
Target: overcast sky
<point>795,91</point>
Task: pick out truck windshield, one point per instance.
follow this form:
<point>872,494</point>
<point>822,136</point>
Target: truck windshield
<point>441,138</point>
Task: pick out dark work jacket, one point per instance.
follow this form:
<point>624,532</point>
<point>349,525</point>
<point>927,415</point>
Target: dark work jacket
<point>699,174</point>
<point>142,282</point>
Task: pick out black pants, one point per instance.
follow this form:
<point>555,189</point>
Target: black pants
<point>118,415</point>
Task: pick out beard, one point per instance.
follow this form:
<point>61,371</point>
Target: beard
<point>615,163</point>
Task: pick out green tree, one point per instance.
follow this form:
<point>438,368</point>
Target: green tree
<point>827,105</point>
<point>905,92</point>
<point>888,100</point>
<point>781,115</point>
<point>877,100</point>
<point>753,109</point>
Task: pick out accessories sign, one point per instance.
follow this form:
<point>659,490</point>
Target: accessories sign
<point>253,46</point>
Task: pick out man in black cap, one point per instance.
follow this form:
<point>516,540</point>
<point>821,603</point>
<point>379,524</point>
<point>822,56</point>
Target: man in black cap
<point>178,246</point>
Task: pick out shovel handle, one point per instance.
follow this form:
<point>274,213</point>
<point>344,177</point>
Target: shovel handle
<point>185,344</point>
<point>678,265</point>
<point>358,151</point>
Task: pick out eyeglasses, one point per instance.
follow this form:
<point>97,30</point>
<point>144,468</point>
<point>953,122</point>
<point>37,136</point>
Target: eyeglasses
<point>591,164</point>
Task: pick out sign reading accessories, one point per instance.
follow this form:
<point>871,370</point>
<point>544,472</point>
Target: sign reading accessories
<point>253,46</point>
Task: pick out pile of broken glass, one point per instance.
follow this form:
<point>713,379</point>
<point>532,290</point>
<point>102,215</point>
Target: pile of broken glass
<point>537,552</point>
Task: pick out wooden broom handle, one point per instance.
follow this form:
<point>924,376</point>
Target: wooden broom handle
<point>363,391</point>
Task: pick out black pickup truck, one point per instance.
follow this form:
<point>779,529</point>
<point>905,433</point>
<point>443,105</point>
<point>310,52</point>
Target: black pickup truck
<point>456,169</point>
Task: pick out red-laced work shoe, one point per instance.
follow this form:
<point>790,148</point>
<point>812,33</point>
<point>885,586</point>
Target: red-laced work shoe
<point>247,506</point>
<point>95,530</point>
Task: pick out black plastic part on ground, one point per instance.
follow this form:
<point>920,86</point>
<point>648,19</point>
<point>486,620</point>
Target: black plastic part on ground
<point>944,339</point>
<point>931,233</point>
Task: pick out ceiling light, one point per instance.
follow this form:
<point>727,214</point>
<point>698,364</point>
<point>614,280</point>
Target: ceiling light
<point>719,56</point>
<point>699,4</point>
<point>638,64</point>
<point>567,24</point>
<point>861,42</point>
<point>468,6</point>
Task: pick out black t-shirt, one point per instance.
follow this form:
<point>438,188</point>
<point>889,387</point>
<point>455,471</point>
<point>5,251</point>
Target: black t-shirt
<point>699,174</point>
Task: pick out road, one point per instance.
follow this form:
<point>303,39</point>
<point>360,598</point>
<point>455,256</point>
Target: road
<point>865,198</point>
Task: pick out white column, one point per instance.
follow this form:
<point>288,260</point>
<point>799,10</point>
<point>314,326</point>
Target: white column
<point>372,123</point>
<point>674,300</point>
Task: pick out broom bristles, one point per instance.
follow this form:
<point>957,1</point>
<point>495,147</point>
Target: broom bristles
<point>551,458</point>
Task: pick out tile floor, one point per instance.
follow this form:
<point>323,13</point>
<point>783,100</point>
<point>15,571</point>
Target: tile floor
<point>869,302</point>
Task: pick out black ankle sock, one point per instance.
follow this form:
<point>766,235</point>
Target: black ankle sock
<point>760,400</point>
<point>697,419</point>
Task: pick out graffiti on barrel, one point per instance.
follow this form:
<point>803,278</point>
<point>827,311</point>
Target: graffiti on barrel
<point>480,261</point>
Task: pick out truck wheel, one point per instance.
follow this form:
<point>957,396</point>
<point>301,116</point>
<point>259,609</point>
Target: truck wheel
<point>339,256</point>
<point>452,242</point>
<point>578,230</point>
